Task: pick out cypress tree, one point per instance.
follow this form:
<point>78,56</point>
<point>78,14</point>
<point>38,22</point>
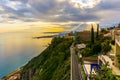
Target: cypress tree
<point>75,37</point>
<point>92,35</point>
<point>97,34</point>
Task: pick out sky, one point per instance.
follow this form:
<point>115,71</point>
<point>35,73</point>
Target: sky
<point>66,14</point>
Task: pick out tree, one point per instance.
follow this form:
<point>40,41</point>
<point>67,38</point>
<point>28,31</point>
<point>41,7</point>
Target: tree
<point>92,35</point>
<point>106,47</point>
<point>96,48</point>
<point>104,31</point>
<point>86,52</point>
<point>97,34</point>
<point>75,37</point>
<point>113,42</point>
<point>105,73</point>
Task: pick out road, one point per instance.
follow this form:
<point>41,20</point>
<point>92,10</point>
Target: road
<point>75,72</point>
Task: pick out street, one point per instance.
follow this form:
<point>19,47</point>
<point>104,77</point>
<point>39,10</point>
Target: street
<point>75,72</point>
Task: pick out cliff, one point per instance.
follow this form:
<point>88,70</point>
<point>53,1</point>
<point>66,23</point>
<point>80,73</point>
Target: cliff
<point>52,64</point>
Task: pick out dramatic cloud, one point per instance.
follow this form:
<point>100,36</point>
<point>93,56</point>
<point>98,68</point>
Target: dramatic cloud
<point>103,11</point>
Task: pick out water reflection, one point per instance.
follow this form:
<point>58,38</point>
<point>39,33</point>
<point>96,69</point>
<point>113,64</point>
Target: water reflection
<point>17,49</point>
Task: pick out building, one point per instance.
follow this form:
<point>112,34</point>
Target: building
<point>83,35</point>
<point>117,51</point>
<point>115,33</point>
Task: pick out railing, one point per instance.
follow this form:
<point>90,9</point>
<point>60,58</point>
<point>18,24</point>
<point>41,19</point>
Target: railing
<point>102,58</point>
<point>87,75</point>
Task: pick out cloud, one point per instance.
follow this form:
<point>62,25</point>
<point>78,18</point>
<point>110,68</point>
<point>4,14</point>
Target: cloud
<point>85,3</point>
<point>104,11</point>
<point>56,11</point>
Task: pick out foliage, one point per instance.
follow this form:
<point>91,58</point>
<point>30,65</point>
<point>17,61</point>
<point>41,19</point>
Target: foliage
<point>97,34</point>
<point>106,47</point>
<point>103,30</point>
<point>104,73</point>
<point>113,42</point>
<point>117,77</point>
<point>110,28</point>
<point>86,52</point>
<point>92,35</point>
<point>93,49</point>
<point>75,37</point>
<point>52,64</point>
<point>103,39</point>
<point>96,48</point>
<point>102,44</point>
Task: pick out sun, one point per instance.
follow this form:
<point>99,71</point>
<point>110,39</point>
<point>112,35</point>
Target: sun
<point>85,3</point>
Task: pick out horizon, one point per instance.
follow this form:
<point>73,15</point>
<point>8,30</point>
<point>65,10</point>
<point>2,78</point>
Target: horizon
<point>34,37</point>
<point>56,15</point>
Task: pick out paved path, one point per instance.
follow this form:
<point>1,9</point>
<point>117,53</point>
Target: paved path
<point>75,72</point>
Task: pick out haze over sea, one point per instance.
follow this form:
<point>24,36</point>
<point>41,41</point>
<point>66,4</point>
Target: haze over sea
<point>17,48</point>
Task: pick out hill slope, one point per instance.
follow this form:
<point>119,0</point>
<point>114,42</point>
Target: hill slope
<point>52,64</point>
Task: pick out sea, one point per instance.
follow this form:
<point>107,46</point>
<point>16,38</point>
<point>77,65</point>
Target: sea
<point>17,48</point>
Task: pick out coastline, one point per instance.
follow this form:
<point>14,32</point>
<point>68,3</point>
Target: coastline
<point>12,75</point>
<point>17,71</point>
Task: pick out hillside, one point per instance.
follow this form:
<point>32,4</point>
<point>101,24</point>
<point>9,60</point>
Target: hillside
<point>52,64</point>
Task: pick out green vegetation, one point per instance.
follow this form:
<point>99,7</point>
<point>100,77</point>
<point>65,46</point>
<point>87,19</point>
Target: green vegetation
<point>101,45</point>
<point>97,45</point>
<point>76,37</point>
<point>104,31</point>
<point>104,74</point>
<point>117,77</point>
<point>84,76</point>
<point>113,42</point>
<point>93,49</point>
<point>52,64</point>
<point>97,34</point>
<point>92,35</point>
<point>106,47</point>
